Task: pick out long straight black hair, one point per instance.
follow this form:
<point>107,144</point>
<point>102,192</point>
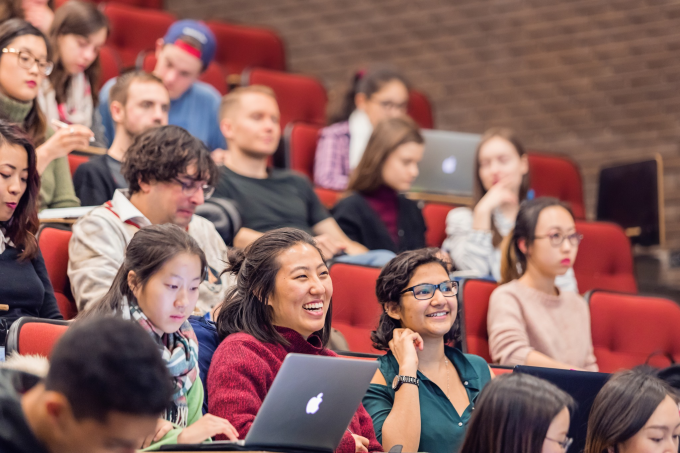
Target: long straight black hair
<point>255,268</point>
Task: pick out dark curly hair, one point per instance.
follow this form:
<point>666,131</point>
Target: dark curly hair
<point>163,153</point>
<point>394,277</point>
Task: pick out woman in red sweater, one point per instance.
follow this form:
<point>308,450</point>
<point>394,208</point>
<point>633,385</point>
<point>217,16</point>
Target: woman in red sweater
<point>281,303</point>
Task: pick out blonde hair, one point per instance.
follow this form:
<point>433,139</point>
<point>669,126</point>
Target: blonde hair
<point>231,100</point>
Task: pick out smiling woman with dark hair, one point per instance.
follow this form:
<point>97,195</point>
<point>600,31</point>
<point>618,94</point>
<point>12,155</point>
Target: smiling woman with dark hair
<point>424,392</point>
<point>281,304</point>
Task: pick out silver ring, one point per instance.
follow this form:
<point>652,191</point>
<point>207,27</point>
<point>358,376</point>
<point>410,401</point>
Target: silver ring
<point>71,130</point>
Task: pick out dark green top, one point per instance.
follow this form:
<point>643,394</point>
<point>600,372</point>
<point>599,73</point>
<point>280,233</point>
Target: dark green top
<point>441,428</point>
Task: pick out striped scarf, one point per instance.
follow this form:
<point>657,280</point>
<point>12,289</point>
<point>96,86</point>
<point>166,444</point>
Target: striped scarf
<point>180,353</point>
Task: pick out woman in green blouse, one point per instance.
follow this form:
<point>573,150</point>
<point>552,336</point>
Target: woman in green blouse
<point>424,392</point>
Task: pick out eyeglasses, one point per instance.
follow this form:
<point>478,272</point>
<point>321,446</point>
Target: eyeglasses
<point>26,61</point>
<point>556,239</point>
<point>426,291</point>
<point>389,105</point>
<point>189,189</point>
<point>565,444</point>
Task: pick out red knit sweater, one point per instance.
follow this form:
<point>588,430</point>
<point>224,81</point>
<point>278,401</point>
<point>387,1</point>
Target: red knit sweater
<point>242,371</point>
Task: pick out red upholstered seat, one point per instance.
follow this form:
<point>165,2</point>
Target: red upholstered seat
<point>604,259</point>
<point>327,197</point>
<point>300,97</point>
<point>75,161</point>
<point>559,177</point>
<point>150,4</point>
<point>300,140</point>
<point>435,220</point>
<point>134,30</point>
<point>420,109</point>
<point>356,310</point>
<point>474,299</point>
<point>628,328</point>
<point>34,336</point>
<point>53,245</point>
<point>110,64</point>
<point>247,47</point>
<point>213,75</point>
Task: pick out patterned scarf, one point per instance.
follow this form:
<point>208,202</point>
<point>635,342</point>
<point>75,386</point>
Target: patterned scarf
<point>180,353</point>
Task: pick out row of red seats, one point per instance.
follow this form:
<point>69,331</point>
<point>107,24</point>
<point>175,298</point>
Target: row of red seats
<point>626,328</point>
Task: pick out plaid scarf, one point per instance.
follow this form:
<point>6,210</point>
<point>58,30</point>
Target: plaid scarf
<point>180,353</point>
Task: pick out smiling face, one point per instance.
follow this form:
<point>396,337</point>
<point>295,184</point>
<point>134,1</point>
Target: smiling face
<point>13,178</point>
<point>547,259</point>
<point>78,52</point>
<point>17,82</point>
<point>498,161</point>
<point>660,434</point>
<point>168,298</point>
<point>252,126</point>
<point>401,166</point>
<point>557,432</point>
<point>303,290</point>
<point>431,318</point>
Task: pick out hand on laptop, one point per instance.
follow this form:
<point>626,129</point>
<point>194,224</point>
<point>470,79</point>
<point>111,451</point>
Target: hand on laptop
<point>361,443</point>
<point>163,427</point>
<point>206,427</point>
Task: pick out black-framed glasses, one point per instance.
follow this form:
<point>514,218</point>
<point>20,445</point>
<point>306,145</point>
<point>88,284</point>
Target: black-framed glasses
<point>27,60</point>
<point>556,239</point>
<point>426,291</point>
<point>565,444</point>
<point>189,189</point>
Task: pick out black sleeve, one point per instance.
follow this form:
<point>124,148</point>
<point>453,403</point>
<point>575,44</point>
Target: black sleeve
<point>49,308</point>
<point>90,186</point>
<point>316,212</point>
<point>346,213</point>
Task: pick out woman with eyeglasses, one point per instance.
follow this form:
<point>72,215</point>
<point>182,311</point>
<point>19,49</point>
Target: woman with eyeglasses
<point>424,392</point>
<point>520,413</point>
<point>24,65</point>
<point>376,94</point>
<point>530,321</point>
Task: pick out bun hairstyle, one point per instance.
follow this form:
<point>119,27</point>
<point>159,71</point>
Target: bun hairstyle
<point>622,408</point>
<point>245,308</point>
<point>392,280</point>
<point>367,82</point>
<point>513,260</point>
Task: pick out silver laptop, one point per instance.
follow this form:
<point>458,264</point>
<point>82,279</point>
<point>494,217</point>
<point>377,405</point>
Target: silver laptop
<point>448,164</point>
<point>308,407</point>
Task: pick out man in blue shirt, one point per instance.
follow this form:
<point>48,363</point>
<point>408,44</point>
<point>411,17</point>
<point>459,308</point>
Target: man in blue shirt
<point>182,55</point>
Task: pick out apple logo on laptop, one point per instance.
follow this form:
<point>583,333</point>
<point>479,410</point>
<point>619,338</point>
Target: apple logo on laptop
<point>313,403</point>
<point>449,165</point>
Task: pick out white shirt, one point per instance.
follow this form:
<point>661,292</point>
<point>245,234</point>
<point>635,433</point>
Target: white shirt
<point>4,241</point>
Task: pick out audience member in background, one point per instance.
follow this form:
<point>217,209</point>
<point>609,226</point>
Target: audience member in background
<point>375,95</point>
<point>181,57</point>
<point>280,304</point>
<point>38,13</point>
<point>424,392</point>
<point>24,284</point>
<point>634,413</point>
<point>70,94</point>
<point>104,391</point>
<point>24,64</point>
<point>157,287</point>
<point>375,213</point>
<point>138,102</point>
<point>519,413</point>
<point>501,183</point>
<point>530,320</point>
<point>169,173</point>
<point>270,198</point>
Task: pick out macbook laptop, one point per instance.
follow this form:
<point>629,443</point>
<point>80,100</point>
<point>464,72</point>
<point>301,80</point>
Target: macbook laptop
<point>448,164</point>
<point>583,386</point>
<point>308,407</point>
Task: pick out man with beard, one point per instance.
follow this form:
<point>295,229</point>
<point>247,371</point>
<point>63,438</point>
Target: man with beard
<point>138,101</point>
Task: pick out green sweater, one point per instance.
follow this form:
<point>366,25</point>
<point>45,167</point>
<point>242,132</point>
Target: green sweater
<point>56,185</point>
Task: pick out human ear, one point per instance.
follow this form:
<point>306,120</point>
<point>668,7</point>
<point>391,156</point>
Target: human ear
<point>227,127</point>
<point>117,112</point>
<point>144,186</point>
<point>393,311</point>
<point>58,411</point>
<point>522,245</point>
<point>524,164</point>
<point>132,283</point>
<point>360,101</point>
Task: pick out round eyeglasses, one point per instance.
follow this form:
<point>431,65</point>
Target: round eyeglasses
<point>426,291</point>
<point>27,60</point>
<point>556,239</point>
<point>189,189</point>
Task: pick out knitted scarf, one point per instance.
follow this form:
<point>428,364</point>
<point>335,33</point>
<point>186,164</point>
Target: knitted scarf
<point>180,353</point>
<point>13,110</point>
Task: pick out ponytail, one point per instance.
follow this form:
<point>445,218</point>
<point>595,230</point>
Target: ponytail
<point>513,261</point>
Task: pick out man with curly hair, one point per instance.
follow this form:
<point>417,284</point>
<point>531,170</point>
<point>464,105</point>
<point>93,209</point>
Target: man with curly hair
<point>169,173</point>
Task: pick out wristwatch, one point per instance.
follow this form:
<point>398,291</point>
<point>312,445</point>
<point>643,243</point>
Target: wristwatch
<point>398,380</point>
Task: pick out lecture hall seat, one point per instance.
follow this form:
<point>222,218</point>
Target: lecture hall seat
<point>53,245</point>
<point>559,177</point>
<point>473,297</point>
<point>34,336</point>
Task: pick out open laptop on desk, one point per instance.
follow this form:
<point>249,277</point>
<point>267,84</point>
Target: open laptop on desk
<point>583,386</point>
<point>308,407</point>
<point>448,165</point>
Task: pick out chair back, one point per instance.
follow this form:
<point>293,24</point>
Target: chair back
<point>34,336</point>
<point>53,245</point>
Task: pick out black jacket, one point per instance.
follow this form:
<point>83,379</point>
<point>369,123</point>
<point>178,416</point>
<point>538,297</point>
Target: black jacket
<point>94,182</point>
<point>15,434</point>
<point>362,224</point>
